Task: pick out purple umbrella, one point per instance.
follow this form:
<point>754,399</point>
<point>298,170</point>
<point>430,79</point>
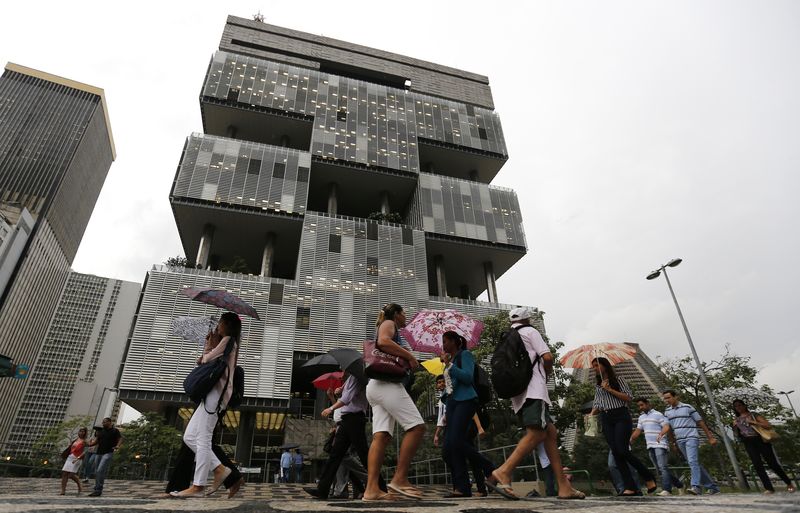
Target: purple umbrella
<point>221,298</point>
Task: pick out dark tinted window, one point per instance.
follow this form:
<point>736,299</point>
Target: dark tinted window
<point>255,167</point>
<point>408,237</point>
<point>372,266</point>
<point>233,95</point>
<point>335,243</point>
<point>302,174</point>
<point>303,317</point>
<point>276,294</point>
<point>279,171</point>
<point>372,231</point>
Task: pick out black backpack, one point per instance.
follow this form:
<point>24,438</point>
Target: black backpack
<point>237,395</point>
<point>480,382</point>
<point>512,368</point>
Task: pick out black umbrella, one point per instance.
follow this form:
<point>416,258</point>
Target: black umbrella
<point>351,361</point>
<point>321,364</point>
<point>290,446</point>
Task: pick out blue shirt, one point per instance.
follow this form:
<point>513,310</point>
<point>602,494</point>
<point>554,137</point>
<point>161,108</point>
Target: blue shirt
<point>462,372</point>
<point>286,459</point>
<point>683,420</point>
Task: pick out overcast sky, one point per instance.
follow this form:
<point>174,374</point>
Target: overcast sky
<point>637,132</point>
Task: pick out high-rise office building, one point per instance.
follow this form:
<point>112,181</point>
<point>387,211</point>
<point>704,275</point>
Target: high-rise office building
<point>76,371</point>
<point>330,179</point>
<point>55,151</point>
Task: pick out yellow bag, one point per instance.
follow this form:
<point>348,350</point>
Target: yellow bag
<point>767,434</point>
<point>592,425</point>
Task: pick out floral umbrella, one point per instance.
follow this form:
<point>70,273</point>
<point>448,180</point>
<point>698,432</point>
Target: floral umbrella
<point>581,358</point>
<point>193,329</point>
<point>751,396</point>
<point>222,299</point>
<point>424,331</point>
<point>329,380</point>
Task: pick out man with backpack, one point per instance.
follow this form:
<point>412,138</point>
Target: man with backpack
<point>522,353</point>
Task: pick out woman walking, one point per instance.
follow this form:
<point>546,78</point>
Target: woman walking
<point>199,433</point>
<point>746,425</point>
<point>73,464</point>
<point>462,404</point>
<point>390,404</point>
<point>611,398</point>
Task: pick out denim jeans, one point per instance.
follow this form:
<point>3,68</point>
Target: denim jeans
<point>88,465</point>
<point>103,462</point>
<point>660,458</point>
<point>700,477</point>
<point>458,450</point>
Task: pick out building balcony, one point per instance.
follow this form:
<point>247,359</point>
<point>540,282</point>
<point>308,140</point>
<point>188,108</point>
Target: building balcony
<point>349,120</point>
<point>233,194</point>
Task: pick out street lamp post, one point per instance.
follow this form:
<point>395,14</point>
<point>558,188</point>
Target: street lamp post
<point>790,401</point>
<point>728,447</point>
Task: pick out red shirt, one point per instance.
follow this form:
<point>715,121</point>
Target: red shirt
<point>76,449</point>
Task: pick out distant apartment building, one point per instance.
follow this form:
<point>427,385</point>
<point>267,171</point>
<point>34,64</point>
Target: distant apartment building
<point>77,368</point>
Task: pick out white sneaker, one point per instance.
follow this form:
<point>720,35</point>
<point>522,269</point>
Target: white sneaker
<point>664,493</point>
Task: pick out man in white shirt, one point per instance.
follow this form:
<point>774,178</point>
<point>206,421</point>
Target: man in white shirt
<point>533,408</point>
<point>655,427</point>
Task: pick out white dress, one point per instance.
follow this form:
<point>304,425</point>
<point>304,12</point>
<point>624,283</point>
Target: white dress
<point>73,464</point>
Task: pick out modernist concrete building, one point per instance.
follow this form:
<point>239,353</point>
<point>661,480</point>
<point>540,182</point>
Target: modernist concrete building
<point>307,140</point>
<point>76,371</point>
<point>55,151</point>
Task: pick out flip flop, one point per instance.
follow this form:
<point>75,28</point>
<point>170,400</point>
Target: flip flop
<point>405,491</point>
<point>575,494</point>
<point>503,489</point>
<point>381,498</point>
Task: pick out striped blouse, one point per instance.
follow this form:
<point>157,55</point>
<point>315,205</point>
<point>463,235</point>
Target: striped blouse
<point>604,400</point>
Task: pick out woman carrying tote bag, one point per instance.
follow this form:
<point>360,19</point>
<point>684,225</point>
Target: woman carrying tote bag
<point>199,431</point>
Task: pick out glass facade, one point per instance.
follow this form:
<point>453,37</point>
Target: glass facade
<point>354,121</point>
<point>238,172</point>
<point>460,208</point>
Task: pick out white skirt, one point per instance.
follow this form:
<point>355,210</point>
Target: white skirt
<point>72,464</point>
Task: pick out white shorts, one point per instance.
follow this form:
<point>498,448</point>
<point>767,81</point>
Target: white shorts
<point>391,403</point>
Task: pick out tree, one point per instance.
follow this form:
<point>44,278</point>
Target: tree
<point>178,262</point>
<point>391,217</point>
<point>238,265</point>
<point>149,442</point>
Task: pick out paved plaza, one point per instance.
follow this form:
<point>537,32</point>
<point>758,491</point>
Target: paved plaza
<point>19,495</point>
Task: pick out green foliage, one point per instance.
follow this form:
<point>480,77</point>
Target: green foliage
<point>49,447</point>
<point>238,265</point>
<point>391,217</point>
<point>149,438</point>
<point>786,446</point>
<point>178,262</point>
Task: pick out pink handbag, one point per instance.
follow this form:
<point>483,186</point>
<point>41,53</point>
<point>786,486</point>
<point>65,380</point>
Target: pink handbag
<point>383,366</point>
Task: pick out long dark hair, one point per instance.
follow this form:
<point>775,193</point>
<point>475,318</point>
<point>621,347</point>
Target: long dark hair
<point>608,371</point>
<point>233,325</point>
<point>739,401</point>
<point>388,312</point>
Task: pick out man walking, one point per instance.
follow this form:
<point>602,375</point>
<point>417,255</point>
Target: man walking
<point>684,421</point>
<point>286,466</point>
<point>533,408</point>
<point>655,427</point>
<point>108,440</point>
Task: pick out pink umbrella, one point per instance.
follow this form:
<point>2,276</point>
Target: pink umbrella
<point>424,331</point>
<point>221,298</point>
<point>581,358</point>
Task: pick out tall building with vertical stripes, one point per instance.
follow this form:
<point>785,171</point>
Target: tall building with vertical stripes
<point>56,149</point>
<point>329,179</point>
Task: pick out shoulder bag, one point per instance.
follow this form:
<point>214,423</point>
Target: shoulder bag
<point>202,379</point>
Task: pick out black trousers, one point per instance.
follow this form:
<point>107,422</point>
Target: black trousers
<point>617,428</point>
<point>350,433</point>
<point>759,451</point>
<point>181,477</point>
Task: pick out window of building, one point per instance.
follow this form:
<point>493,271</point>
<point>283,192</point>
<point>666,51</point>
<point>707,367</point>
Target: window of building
<point>233,95</point>
<point>482,133</point>
<point>276,294</point>
<point>254,167</point>
<point>372,230</point>
<point>302,174</point>
<point>341,115</point>
<point>335,243</point>
<point>408,237</point>
<point>372,266</point>
<point>303,317</point>
<point>279,171</point>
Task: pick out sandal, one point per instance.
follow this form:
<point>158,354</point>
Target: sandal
<point>388,496</point>
<point>503,489</point>
<point>574,494</point>
<point>405,491</point>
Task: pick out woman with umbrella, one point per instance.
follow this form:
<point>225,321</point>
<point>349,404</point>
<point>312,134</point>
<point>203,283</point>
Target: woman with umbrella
<point>199,431</point>
<point>611,399</point>
<point>747,425</point>
<point>462,403</point>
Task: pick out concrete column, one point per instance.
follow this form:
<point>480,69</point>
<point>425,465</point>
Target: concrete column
<point>385,209</point>
<point>473,175</point>
<point>441,280</point>
<point>205,246</point>
<point>268,257</point>
<point>285,140</point>
<point>491,287</point>
<point>465,292</point>
<point>244,437</point>
<point>230,131</point>
<point>333,203</point>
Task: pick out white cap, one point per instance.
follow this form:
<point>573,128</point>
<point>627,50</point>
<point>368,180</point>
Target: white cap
<point>519,314</point>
